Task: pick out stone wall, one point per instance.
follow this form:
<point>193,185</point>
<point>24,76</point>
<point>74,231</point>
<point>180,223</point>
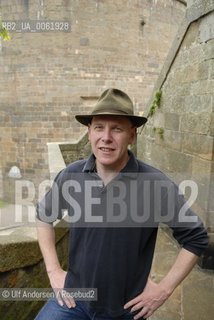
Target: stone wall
<point>47,77</point>
<point>184,149</point>
<point>191,300</point>
<point>179,140</point>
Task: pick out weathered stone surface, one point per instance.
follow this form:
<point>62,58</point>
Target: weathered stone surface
<point>198,296</point>
<point>201,145</point>
<point>212,69</point>
<point>198,123</point>
<point>206,29</point>
<point>192,299</point>
<point>172,139</point>
<point>201,170</point>
<point>198,104</point>
<point>196,8</point>
<point>42,85</point>
<point>212,125</point>
<point>171,160</point>
<point>172,121</point>
<point>201,87</point>
<point>22,242</point>
<point>28,277</point>
<point>187,104</point>
<point>191,36</point>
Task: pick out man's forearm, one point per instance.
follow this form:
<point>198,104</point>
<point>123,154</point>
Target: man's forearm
<point>154,295</point>
<point>183,265</point>
<point>46,239</point>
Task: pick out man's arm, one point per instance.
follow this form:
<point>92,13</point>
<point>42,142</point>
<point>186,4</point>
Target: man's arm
<point>46,239</point>
<point>154,295</point>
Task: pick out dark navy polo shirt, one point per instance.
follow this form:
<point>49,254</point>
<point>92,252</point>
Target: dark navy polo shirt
<point>113,228</point>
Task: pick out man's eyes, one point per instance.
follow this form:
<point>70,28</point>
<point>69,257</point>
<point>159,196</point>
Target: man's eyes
<point>100,128</point>
<point>117,129</point>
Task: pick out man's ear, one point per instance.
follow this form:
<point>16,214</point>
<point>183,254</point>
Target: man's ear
<point>133,135</point>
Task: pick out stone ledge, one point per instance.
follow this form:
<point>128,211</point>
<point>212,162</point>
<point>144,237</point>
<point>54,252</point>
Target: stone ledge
<point>18,244</point>
<point>19,247</point>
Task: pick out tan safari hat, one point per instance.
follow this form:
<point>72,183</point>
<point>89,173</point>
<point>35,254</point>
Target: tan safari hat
<point>113,102</point>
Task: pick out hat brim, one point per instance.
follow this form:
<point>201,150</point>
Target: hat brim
<point>137,121</point>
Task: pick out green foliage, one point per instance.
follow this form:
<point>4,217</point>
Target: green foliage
<point>4,33</point>
<point>155,103</point>
<point>159,131</point>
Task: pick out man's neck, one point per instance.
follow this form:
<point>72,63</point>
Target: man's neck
<point>107,173</point>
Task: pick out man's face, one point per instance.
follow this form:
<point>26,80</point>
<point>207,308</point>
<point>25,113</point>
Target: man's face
<point>110,137</point>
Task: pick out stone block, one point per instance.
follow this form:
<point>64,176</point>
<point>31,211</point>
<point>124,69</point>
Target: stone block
<point>197,144</point>
<point>203,70</point>
<point>172,139</point>
<point>198,103</point>
<point>158,119</point>
<point>201,87</point>
<point>178,103</point>
<point>190,73</point>
<point>198,123</point>
<point>201,170</point>
<point>171,160</point>
<point>208,50</point>
<point>171,121</point>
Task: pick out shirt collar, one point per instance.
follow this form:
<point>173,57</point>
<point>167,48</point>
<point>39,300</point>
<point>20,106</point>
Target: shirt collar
<point>131,169</point>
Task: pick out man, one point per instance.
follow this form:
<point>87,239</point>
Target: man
<point>115,203</point>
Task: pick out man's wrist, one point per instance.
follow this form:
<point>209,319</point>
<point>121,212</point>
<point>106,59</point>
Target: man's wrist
<point>52,269</point>
<point>166,287</point>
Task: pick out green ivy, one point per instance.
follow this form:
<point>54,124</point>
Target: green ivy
<point>159,131</point>
<point>155,103</point>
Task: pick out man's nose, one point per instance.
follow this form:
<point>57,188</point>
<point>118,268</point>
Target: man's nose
<point>107,137</point>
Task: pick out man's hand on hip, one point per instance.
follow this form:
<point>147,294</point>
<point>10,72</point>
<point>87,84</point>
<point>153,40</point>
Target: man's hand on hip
<point>152,297</point>
<point>57,280</point>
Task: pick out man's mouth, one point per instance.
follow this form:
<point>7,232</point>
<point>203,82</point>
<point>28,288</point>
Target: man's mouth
<point>104,149</point>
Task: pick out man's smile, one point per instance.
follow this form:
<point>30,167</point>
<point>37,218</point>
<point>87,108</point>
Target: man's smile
<point>105,149</point>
